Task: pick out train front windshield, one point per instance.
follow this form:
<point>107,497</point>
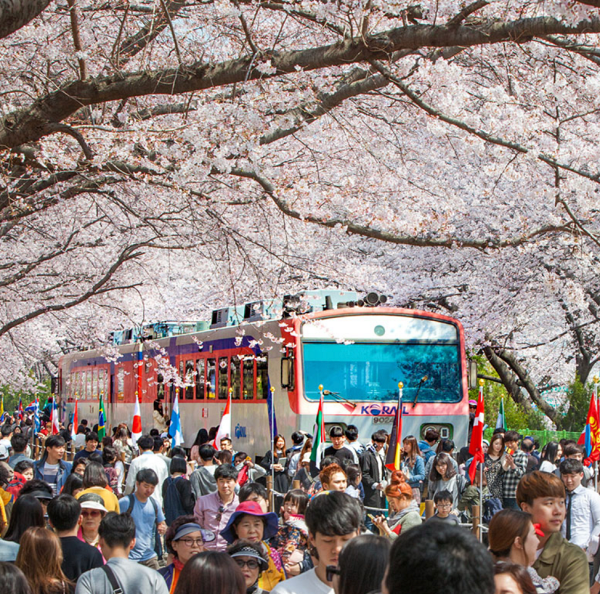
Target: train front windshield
<point>362,358</point>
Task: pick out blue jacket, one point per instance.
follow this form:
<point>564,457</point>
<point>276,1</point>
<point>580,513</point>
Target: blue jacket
<point>417,473</point>
<point>64,470</point>
<point>426,450</point>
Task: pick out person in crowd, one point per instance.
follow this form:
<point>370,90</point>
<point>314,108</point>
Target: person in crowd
<point>254,492</point>
<point>352,440</point>
<point>51,467</point>
<point>248,556</point>
<point>514,466</point>
<point>333,519</point>
<point>184,539</point>
<point>27,512</point>
<point>413,466</point>
<point>249,522</point>
<point>159,450</point>
<point>575,452</point>
<point>79,441</point>
<point>211,572</point>
<point>445,446</point>
<point>114,469</point>
<point>551,455</point>
<point>338,449</point>
<point>527,446</point>
<point>493,466</point>
<point>91,446</point>
<point>177,492</point>
<point>437,557</point>
<point>512,578</point>
<point>148,517</point>
<point>117,538</point>
<point>213,511</point>
<point>374,472</point>
<point>124,447</point>
<point>64,513</point>
<point>41,490</point>
<point>582,523</point>
<point>303,473</point>
<point>6,433</point>
<point>12,580</point>
<point>24,468</point>
<point>274,461</point>
<point>226,444</point>
<point>362,565</point>
<point>543,496</point>
<point>40,558</point>
<point>293,454</point>
<point>201,439</point>
<point>92,512</point>
<point>513,537</point>
<point>202,480</point>
<point>444,477</point>
<point>79,466</point>
<point>404,510</point>
<point>472,496</point>
<point>74,485</point>
<point>333,478</point>
<point>224,457</point>
<point>19,446</point>
<point>428,444</point>
<point>444,508</point>
<point>355,487</point>
<point>160,424</point>
<point>95,481</point>
<point>291,540</point>
<point>246,469</point>
<point>147,460</point>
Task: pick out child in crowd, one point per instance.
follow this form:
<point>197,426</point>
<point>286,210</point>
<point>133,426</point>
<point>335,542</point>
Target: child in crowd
<point>443,508</point>
<point>291,539</point>
<point>355,487</point>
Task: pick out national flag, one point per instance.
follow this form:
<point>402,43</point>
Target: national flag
<point>319,434</point>
<point>271,411</point>
<point>36,416</point>
<point>501,420</point>
<point>476,446</point>
<point>75,421</point>
<point>224,426</point>
<point>20,408</point>
<point>101,420</point>
<point>590,437</point>
<point>136,426</point>
<point>54,418</point>
<point>175,425</point>
<point>2,409</point>
<point>394,454</point>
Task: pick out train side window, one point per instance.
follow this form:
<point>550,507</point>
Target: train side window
<point>262,377</point>
<point>249,378</point>
<point>235,378</point>
<point>200,379</point>
<point>189,380</point>
<point>211,378</point>
<point>223,377</point>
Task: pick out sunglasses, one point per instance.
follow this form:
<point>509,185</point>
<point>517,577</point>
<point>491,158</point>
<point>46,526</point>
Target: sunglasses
<point>330,571</point>
<point>220,514</point>
<point>250,564</point>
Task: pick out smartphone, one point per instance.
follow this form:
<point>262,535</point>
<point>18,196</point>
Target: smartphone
<point>371,517</point>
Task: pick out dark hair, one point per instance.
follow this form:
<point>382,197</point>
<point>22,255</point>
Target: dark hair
<point>550,452</point>
<point>22,466</point>
<point>94,476</point>
<point>79,462</point>
<point>443,496</point>
<point>201,437</point>
<point>336,431</point>
<point>107,442</point>
<point>379,436</point>
<point>95,456</point>
<point>73,482</point>
<point>241,543</point>
<point>527,445</point>
<point>63,512</point>
<point>539,484</point>
<point>226,471</point>
<point>225,457</point>
<point>146,475</point>
<point>252,489</point>
<point>54,441</point>
<point>518,573</point>
<point>145,442</point>
<point>443,458</point>
<point>6,430</point>
<point>206,452</point>
<point>177,451</point>
<point>13,580</point>
<point>18,442</point>
<point>431,435</point>
<point>297,438</point>
<point>109,454</point>
<point>328,461</point>
<point>178,464</point>
<point>158,443</point>
<point>351,432</point>
<point>511,436</point>
<point>227,438</point>
<point>36,485</point>
<point>352,472</point>
<point>211,572</point>
<point>497,437</point>
<point>91,436</point>
<point>445,446</point>
<point>299,498</point>
<point>5,475</point>
<point>571,449</point>
<point>174,527</point>
<point>437,557</point>
<point>333,513</point>
<point>27,512</point>
<point>571,466</point>
<point>117,529</point>
<point>362,564</point>
<point>240,457</point>
<point>154,432</point>
<point>505,526</point>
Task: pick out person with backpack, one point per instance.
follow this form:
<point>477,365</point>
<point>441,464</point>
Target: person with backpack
<point>148,518</point>
<point>177,493</point>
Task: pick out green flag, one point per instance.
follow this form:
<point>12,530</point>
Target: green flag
<point>319,435</point>
<point>101,420</point>
<point>501,420</point>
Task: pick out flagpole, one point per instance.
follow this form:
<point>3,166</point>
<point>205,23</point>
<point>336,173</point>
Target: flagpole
<point>595,396</point>
<point>272,431</point>
<point>481,383</point>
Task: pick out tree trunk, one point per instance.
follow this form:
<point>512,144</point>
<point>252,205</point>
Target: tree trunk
<point>15,14</point>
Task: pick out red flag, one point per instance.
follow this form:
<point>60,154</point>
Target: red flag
<point>224,426</point>
<point>136,427</point>
<point>75,421</point>
<point>476,446</point>
<point>590,437</point>
<point>54,418</point>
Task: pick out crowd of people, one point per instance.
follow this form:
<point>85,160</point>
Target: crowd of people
<point>124,517</point>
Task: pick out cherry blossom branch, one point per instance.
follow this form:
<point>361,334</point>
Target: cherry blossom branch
<point>77,39</point>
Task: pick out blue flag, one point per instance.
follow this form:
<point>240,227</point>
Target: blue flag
<point>36,416</point>
<point>271,411</point>
<point>175,426</point>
